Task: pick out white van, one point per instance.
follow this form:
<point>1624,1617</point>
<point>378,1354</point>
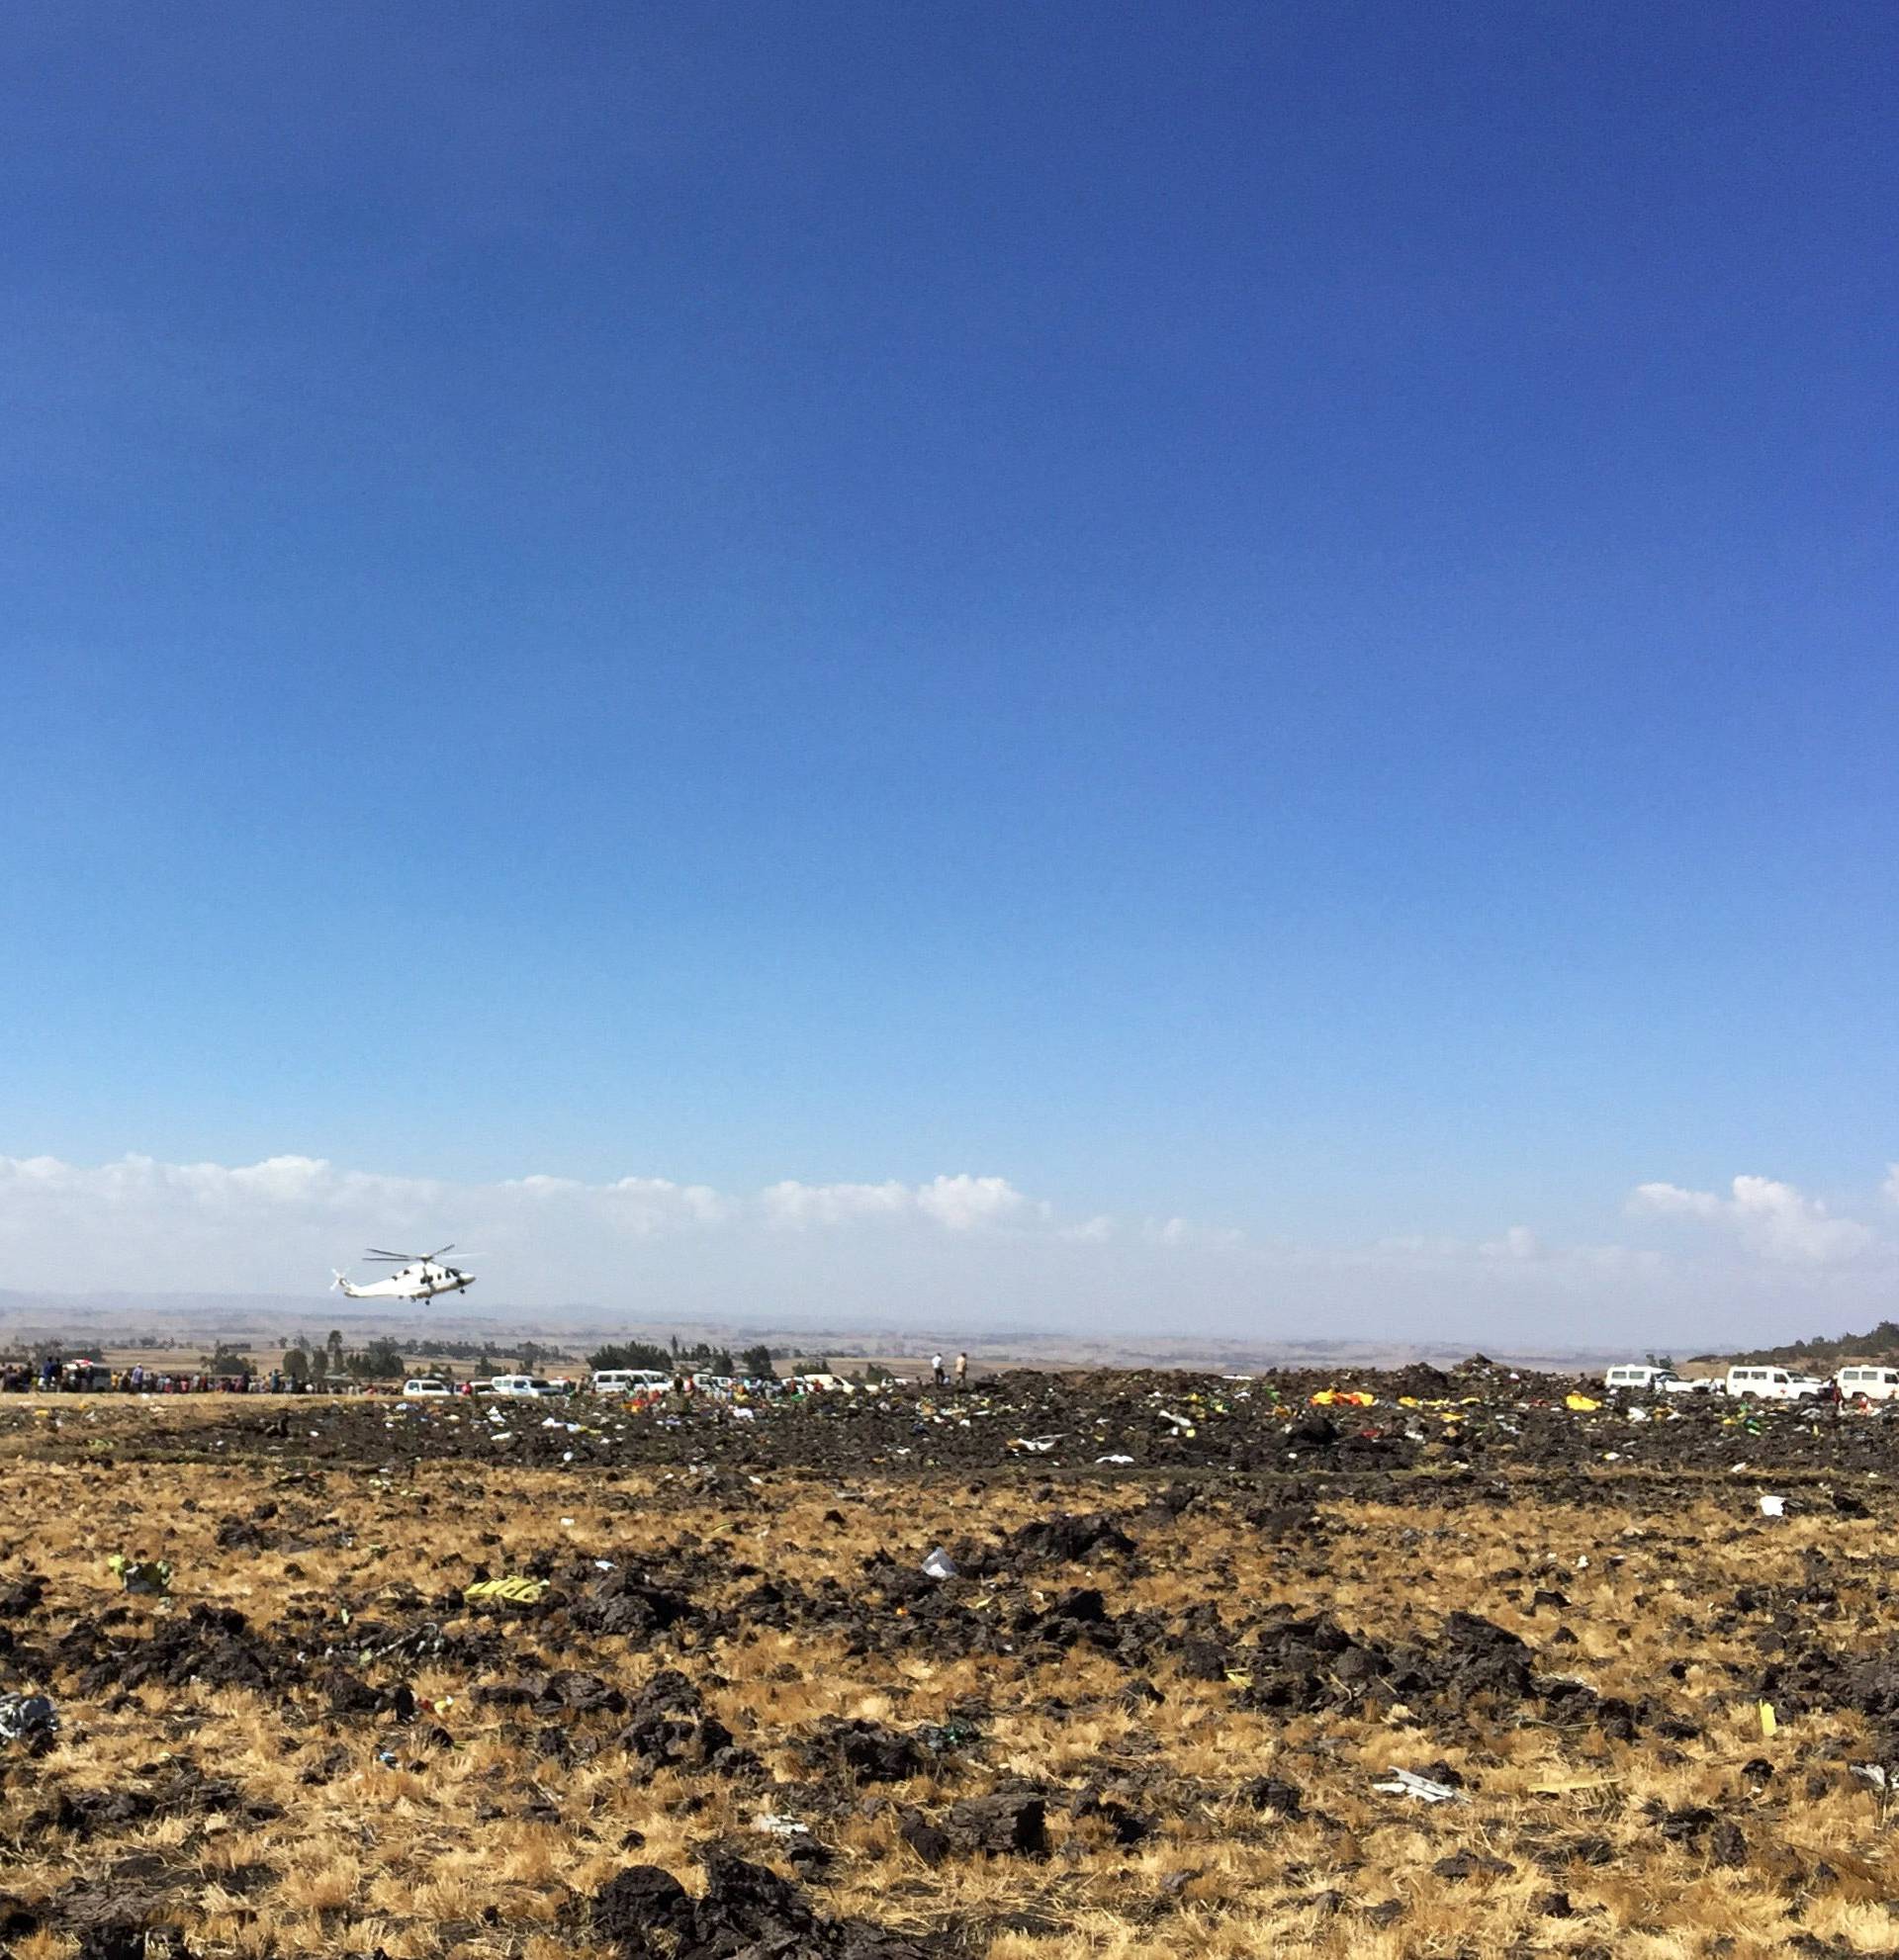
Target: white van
<point>627,1380</point>
<point>522,1384</point>
<point>425,1387</point>
<point>1868,1384</point>
<point>1771,1385</point>
<point>1639,1375</point>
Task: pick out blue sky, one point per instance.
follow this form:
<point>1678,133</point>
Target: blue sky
<point>1278,617</point>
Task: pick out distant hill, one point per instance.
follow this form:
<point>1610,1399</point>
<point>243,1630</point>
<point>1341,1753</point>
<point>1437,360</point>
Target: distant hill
<point>1880,1344</point>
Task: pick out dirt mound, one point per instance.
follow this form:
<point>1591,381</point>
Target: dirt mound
<point>746,1909</point>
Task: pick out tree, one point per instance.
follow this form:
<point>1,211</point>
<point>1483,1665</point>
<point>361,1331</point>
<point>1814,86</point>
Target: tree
<point>297,1363</point>
<point>630,1353</point>
<point>757,1362</point>
<point>333,1351</point>
<point>381,1361</point>
<point>225,1360</point>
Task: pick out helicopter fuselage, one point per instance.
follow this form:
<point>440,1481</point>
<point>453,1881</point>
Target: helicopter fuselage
<point>422,1281</point>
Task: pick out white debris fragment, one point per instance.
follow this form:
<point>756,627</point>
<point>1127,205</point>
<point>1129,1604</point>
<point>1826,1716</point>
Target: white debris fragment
<point>939,1564</point>
<point>1406,1783</point>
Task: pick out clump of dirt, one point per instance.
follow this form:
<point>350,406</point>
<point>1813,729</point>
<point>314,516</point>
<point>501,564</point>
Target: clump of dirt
<point>669,1727</point>
<point>746,1909</point>
<point>1065,1540</point>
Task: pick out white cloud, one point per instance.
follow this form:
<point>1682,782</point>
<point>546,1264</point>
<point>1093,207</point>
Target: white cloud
<point>801,1205</point>
<point>961,1249</point>
<point>1185,1231</point>
<point>1665,1198</point>
<point>657,1204</point>
<point>1520,1242</point>
<point>212,1227</point>
<point>964,1204</point>
<point>1891,1185</point>
<point>1770,1217</point>
<point>1089,1230</point>
<point>961,1204</point>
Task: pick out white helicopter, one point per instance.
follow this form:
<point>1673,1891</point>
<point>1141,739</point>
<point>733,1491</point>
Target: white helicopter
<point>420,1276</point>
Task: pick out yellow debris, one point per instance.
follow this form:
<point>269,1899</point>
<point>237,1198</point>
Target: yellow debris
<point>514,1591</point>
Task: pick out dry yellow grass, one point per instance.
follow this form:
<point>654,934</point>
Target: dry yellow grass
<point>491,1847</point>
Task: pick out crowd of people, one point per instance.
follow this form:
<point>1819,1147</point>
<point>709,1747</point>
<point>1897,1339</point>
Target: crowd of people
<point>52,1375</point>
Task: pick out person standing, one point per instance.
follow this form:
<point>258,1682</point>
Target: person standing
<point>962,1372</point>
<point>935,1370</point>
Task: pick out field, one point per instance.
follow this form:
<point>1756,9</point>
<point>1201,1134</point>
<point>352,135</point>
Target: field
<point>1146,1717</point>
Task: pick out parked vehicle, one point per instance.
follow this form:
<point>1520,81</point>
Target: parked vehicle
<point>628,1381</point>
<point>1771,1385</point>
<point>522,1384</point>
<point>426,1386</point>
<point>1865,1383</point>
<point>1639,1375</point>
<point>1693,1384</point>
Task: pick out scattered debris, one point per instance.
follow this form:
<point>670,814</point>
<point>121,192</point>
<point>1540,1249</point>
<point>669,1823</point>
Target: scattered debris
<point>511,1590</point>
<point>148,1576</point>
<point>1403,1783</point>
<point>30,1719</point>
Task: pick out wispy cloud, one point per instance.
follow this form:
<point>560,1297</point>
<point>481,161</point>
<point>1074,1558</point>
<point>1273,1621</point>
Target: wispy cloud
<point>1768,1218</point>
<point>227,1224</point>
<point>959,1204</point>
<point>1761,1257</point>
